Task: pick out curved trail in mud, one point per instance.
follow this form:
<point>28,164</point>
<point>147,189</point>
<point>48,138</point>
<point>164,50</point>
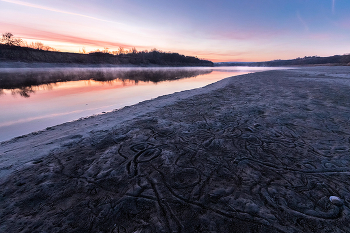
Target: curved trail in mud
<point>260,152</point>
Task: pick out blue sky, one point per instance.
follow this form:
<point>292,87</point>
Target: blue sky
<point>220,30</point>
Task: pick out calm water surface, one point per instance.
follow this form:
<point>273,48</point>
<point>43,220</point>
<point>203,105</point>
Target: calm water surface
<point>33,99</point>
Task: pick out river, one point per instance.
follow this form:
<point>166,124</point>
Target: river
<point>32,99</point>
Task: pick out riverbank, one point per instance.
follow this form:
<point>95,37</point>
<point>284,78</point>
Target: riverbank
<point>139,58</point>
<point>30,65</point>
<point>26,95</point>
<point>259,152</point>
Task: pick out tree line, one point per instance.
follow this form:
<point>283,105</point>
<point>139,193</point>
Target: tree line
<point>9,40</point>
<point>309,60</point>
<point>12,48</point>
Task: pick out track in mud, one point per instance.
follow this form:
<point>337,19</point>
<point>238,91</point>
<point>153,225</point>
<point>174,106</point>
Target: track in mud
<point>263,154</point>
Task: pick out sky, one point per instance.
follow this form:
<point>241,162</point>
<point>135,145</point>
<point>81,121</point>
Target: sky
<point>220,30</point>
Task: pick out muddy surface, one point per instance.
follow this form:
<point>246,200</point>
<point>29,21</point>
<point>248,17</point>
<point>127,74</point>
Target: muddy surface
<point>262,154</point>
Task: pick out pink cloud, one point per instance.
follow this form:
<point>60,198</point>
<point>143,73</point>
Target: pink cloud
<point>35,34</point>
<point>51,9</point>
<point>41,35</point>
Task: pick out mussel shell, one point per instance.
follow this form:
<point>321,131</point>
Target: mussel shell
<point>336,200</point>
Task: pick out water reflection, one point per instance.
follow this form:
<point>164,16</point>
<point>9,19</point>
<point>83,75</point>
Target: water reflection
<point>25,81</point>
<point>67,94</point>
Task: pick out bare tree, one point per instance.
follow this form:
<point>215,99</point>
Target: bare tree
<point>25,44</point>
<point>121,50</point>
<point>83,51</point>
<point>133,50</point>
<point>105,50</point>
<point>48,48</point>
<point>37,45</point>
<point>9,39</point>
<point>40,46</point>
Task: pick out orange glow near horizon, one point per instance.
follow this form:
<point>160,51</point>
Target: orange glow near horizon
<point>236,31</point>
<point>65,46</point>
<point>75,44</point>
<point>71,44</point>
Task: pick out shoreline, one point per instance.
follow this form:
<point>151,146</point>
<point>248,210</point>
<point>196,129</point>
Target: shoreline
<point>256,152</point>
<point>150,82</point>
<point>57,135</point>
<point>23,64</point>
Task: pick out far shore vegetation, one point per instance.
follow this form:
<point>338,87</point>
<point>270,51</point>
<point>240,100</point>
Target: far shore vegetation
<point>8,39</point>
<point>16,49</point>
<point>336,60</point>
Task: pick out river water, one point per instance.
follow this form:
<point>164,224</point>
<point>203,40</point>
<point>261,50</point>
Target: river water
<point>32,99</point>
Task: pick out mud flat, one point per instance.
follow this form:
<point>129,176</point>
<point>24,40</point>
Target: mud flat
<point>260,152</point>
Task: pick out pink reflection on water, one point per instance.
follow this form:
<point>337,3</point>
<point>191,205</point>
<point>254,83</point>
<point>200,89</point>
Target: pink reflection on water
<point>57,103</point>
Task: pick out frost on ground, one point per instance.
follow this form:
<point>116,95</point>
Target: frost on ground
<point>261,152</point>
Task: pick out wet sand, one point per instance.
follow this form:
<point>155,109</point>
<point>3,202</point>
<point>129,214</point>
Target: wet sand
<point>259,152</point>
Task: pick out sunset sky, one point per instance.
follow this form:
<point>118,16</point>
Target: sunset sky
<point>220,30</point>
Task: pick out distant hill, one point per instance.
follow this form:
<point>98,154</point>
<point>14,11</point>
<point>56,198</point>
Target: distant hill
<point>233,63</point>
<point>314,60</point>
<point>24,54</point>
